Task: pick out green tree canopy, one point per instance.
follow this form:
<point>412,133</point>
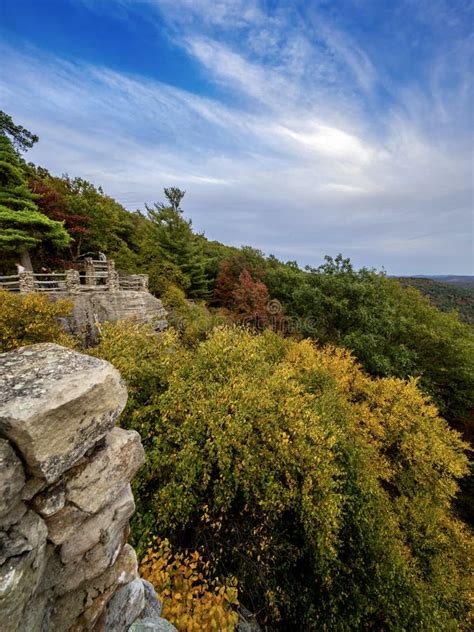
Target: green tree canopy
<point>22,225</point>
<point>173,245</point>
<point>392,330</point>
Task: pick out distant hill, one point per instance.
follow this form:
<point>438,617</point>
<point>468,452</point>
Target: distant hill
<point>447,293</point>
<point>460,280</point>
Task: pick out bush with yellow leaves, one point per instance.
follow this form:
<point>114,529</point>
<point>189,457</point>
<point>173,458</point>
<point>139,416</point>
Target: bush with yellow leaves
<point>191,600</point>
<point>325,492</point>
<point>31,318</point>
<point>192,319</point>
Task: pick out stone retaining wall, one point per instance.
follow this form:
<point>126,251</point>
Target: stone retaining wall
<point>65,497</point>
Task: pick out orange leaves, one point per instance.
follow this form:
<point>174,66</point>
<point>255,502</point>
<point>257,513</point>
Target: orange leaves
<point>192,601</point>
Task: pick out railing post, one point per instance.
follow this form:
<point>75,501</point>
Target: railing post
<point>27,282</point>
<point>72,281</point>
<point>113,281</point>
<point>144,282</point>
<point>89,272</point>
<point>112,277</point>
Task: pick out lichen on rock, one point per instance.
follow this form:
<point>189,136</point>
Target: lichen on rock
<point>65,496</point>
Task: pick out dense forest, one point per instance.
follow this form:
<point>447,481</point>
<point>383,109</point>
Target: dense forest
<point>446,296</point>
<point>300,425</point>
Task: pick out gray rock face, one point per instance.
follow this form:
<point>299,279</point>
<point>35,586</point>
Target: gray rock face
<point>65,497</point>
<point>247,621</point>
<point>101,480</point>
<point>62,524</point>
<point>150,618</point>
<point>14,515</point>
<point>152,625</point>
<point>103,527</point>
<point>12,477</point>
<point>19,579</point>
<point>83,606</point>
<point>153,605</point>
<point>55,404</point>
<point>24,536</point>
<point>93,307</point>
<point>125,607</point>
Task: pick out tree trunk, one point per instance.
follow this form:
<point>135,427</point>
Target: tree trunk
<point>25,260</point>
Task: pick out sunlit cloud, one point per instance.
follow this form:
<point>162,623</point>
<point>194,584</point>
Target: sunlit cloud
<point>307,147</point>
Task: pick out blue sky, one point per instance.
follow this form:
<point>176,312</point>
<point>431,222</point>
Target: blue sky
<point>302,128</point>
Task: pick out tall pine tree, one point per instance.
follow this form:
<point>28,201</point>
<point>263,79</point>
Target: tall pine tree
<point>22,225</point>
<point>173,240</point>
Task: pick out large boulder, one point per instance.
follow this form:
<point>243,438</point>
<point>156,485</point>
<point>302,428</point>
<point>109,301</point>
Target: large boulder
<point>65,497</point>
<point>90,308</point>
<point>56,404</point>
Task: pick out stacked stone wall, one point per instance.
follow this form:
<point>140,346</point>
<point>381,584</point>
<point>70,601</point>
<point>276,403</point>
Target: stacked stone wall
<point>65,498</point>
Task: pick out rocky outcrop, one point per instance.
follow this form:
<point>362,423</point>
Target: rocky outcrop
<point>65,497</point>
<point>95,307</point>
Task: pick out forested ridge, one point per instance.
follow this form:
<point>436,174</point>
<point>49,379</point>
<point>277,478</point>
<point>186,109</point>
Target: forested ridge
<point>446,296</point>
<point>301,426</point>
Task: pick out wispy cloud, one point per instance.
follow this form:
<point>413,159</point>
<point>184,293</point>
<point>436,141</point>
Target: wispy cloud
<point>306,148</point>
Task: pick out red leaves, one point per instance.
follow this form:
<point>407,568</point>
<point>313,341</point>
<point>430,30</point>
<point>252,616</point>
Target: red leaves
<point>56,206</point>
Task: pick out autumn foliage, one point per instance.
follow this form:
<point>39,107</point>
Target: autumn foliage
<point>326,493</point>
<point>191,600</point>
<point>243,295</point>
<point>56,206</point>
<point>31,318</point>
<point>250,301</point>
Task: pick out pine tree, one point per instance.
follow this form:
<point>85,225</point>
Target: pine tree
<point>22,226</point>
<point>172,238</point>
<point>21,138</point>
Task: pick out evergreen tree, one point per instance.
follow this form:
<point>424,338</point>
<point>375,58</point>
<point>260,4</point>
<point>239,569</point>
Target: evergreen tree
<point>174,197</point>
<point>173,240</point>
<point>22,226</point>
<point>21,138</point>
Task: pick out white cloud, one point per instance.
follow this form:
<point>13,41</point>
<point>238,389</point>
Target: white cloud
<point>285,159</point>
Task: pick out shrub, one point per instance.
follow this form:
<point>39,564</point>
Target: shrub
<point>31,318</point>
<point>325,492</point>
<point>192,319</point>
<point>191,600</point>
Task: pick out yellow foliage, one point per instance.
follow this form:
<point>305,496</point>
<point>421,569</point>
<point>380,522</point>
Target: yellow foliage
<point>326,492</point>
<point>31,318</point>
<point>191,600</point>
<point>192,319</point>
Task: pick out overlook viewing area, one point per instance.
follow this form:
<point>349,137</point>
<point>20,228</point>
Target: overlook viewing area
<point>94,275</point>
